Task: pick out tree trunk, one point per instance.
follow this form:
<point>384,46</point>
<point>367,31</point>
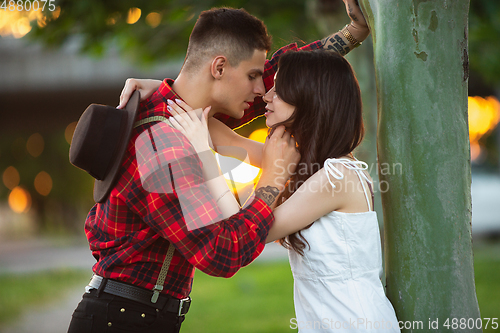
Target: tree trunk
<point>421,68</point>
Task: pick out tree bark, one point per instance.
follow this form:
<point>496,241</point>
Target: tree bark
<point>421,68</point>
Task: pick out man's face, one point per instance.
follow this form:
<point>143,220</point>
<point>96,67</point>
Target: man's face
<point>240,85</point>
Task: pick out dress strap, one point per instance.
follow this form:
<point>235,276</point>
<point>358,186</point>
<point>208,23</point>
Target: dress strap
<point>357,166</point>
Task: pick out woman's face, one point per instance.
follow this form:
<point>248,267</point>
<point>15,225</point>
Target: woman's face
<point>277,110</point>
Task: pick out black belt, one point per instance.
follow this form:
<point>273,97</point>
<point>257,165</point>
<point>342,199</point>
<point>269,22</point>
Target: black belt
<point>143,296</point>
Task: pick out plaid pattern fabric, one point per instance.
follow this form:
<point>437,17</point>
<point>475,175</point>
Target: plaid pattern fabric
<point>160,198</point>
<point>257,108</point>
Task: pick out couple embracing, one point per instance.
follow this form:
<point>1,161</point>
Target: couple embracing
<point>169,210</point>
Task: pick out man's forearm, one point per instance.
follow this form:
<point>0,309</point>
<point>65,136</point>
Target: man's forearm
<point>268,190</point>
<point>338,42</point>
<point>352,34</point>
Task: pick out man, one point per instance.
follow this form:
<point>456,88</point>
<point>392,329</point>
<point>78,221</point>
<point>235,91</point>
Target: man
<point>130,232</point>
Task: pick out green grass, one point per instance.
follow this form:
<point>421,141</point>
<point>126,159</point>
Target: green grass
<point>36,289</point>
<point>487,275</point>
<point>259,298</point>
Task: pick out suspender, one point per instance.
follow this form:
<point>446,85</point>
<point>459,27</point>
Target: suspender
<point>170,253</point>
<point>163,274</point>
<point>150,120</point>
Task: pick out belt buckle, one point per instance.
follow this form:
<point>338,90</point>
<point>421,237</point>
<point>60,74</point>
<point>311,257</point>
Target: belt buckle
<point>186,300</point>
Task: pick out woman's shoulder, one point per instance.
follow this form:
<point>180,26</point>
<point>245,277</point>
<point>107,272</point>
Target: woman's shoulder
<point>339,170</point>
<point>329,178</point>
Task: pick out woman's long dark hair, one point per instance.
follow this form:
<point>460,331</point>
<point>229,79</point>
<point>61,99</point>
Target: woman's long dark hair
<point>327,121</point>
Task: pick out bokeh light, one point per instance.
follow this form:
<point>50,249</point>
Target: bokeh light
<point>19,200</point>
<point>18,23</point>
<point>153,19</point>
<point>21,27</point>
<point>43,183</point>
<point>134,14</point>
<point>484,115</point>
<point>113,18</point>
<point>11,177</point>
<point>68,132</point>
<point>259,135</point>
<point>35,145</point>
<point>56,13</point>
<point>240,177</point>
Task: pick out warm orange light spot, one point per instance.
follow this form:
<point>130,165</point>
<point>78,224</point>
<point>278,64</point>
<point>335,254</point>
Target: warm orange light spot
<point>56,13</point>
<point>259,135</point>
<point>41,21</point>
<point>153,19</point>
<point>113,18</point>
<point>35,145</point>
<point>68,132</point>
<point>484,115</point>
<point>475,150</point>
<point>43,183</point>
<point>8,22</point>
<point>242,174</point>
<point>11,177</point>
<point>21,27</point>
<point>18,23</point>
<point>33,15</point>
<point>19,200</point>
<point>134,14</point>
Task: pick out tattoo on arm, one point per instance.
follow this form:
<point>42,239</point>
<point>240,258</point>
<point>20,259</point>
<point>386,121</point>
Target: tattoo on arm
<point>336,43</point>
<point>268,194</point>
<point>340,40</point>
<point>351,15</point>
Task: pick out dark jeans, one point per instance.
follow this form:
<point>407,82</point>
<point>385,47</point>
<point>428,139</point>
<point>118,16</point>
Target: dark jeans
<point>113,314</point>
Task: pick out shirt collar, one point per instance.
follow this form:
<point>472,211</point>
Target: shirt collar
<point>166,92</point>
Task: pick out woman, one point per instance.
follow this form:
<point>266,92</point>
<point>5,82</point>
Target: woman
<point>326,217</point>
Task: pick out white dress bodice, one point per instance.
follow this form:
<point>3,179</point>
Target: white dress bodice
<point>337,283</point>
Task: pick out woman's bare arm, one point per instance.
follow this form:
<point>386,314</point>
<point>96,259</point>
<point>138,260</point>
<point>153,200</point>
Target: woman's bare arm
<point>229,143</point>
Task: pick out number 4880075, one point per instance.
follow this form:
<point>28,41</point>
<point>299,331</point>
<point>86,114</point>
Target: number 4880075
<point>28,5</point>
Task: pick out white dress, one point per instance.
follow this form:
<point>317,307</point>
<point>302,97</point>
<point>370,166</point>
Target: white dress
<point>337,285</point>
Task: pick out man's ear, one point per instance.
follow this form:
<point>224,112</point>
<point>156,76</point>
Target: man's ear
<point>218,67</point>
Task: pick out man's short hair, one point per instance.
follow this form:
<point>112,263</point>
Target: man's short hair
<point>233,33</point>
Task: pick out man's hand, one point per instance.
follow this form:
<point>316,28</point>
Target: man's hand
<point>357,19</point>
<point>279,160</point>
<point>145,86</point>
<point>343,41</point>
<point>359,28</point>
<point>279,157</point>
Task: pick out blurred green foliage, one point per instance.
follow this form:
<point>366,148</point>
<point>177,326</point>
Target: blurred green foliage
<point>287,20</point>
<point>484,32</point>
<point>102,24</point>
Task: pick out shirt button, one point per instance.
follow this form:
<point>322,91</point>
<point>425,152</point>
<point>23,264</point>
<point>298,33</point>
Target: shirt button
<point>122,310</point>
<point>143,315</point>
<point>109,324</point>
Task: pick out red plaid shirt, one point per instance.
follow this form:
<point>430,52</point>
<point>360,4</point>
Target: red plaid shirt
<point>160,198</point>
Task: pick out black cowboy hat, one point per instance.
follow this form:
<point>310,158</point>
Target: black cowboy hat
<point>99,143</point>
